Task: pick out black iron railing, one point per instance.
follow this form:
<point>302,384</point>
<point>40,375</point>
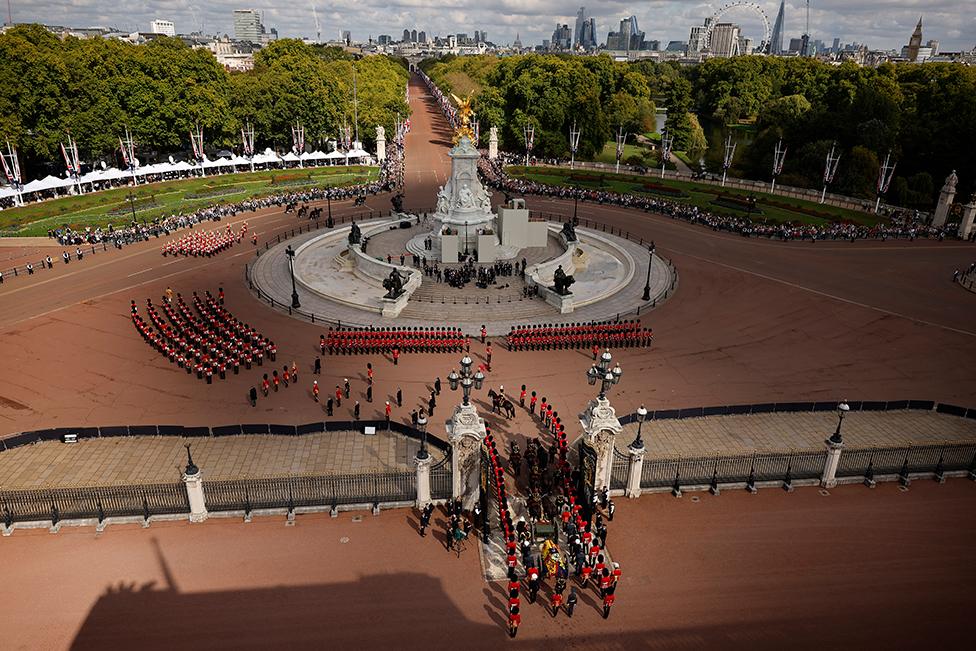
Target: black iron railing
<point>56,504</point>
<point>441,479</point>
<point>795,407</point>
<point>309,490</point>
<point>619,470</point>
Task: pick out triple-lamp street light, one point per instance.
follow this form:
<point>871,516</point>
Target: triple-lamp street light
<point>601,371</point>
<point>466,379</point>
<point>641,417</point>
<point>422,426</point>
<point>842,410</point>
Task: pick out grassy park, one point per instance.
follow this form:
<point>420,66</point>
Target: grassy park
<point>171,197</point>
<point>709,197</point>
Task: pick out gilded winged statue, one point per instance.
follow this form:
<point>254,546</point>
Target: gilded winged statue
<point>464,119</point>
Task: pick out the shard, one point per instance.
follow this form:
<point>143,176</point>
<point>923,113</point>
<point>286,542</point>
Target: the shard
<point>776,42</point>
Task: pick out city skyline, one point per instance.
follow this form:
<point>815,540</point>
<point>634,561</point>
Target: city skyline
<point>882,24</point>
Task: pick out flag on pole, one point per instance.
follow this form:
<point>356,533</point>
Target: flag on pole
<point>67,160</point>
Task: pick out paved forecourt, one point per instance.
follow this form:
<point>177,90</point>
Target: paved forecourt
<point>723,435</point>
<point>147,460</point>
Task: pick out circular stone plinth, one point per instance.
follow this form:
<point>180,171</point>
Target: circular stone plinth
<point>611,284</point>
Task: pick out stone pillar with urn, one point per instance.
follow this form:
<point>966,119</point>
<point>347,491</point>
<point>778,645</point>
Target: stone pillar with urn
<point>493,143</point>
<point>946,196</point>
<point>380,144</point>
<point>968,216</point>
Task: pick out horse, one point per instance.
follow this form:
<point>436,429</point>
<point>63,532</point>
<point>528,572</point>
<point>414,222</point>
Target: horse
<point>506,405</point>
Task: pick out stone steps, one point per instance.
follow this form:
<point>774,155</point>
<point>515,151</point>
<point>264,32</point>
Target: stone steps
<point>514,311</point>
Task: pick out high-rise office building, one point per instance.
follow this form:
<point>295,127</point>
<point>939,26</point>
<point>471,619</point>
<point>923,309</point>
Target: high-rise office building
<point>413,36</point>
<point>562,37</point>
<point>578,31</point>
<point>406,35</point>
<point>584,36</point>
<point>248,26</point>
<point>629,38</point>
<point>836,48</point>
<point>421,36</point>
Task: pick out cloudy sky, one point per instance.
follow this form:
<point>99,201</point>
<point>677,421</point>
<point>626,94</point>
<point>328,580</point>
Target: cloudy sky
<point>879,23</point>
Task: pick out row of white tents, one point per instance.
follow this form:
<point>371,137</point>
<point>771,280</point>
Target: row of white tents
<point>266,158</point>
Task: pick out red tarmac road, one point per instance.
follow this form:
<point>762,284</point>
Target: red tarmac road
<point>752,321</point>
<point>739,571</point>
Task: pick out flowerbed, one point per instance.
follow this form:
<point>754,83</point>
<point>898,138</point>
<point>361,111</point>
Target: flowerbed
<point>211,193</point>
<point>140,204</point>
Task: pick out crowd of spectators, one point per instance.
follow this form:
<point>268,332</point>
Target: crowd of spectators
<point>902,224</point>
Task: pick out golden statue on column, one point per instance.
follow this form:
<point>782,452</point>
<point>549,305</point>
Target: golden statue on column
<point>464,119</point>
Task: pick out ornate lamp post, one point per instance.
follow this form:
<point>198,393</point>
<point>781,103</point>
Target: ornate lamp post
<point>290,252</point>
<point>650,263</point>
<point>842,410</point>
<point>422,426</point>
<point>191,468</point>
<point>602,371</point>
<point>641,417</point>
<point>465,379</point>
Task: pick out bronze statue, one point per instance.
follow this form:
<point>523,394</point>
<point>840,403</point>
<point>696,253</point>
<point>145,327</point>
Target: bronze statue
<point>394,284</point>
<point>355,235</point>
<point>569,232</point>
<point>561,281</point>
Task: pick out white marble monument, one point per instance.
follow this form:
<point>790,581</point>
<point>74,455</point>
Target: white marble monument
<point>464,206</point>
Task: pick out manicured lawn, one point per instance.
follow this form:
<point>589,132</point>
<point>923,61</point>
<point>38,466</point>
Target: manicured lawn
<point>773,207</point>
<point>170,197</point>
<point>609,153</point>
